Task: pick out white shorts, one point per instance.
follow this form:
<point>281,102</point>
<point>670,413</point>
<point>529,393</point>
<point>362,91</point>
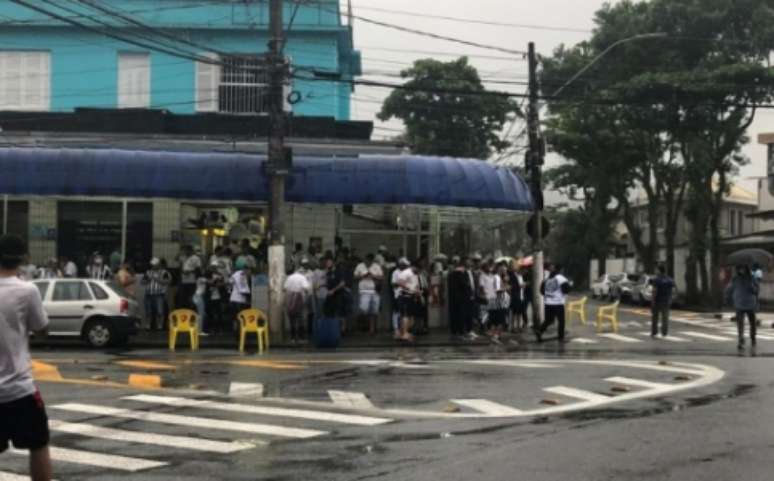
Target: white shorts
<point>369,303</point>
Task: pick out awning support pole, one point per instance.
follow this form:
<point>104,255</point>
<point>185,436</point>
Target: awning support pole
<point>5,214</point>
<point>124,222</point>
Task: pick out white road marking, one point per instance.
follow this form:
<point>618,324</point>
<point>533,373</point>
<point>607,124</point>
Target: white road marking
<point>356,400</point>
<point>190,421</point>
<point>246,389</point>
<point>488,407</point>
<point>512,363</point>
<point>618,337</point>
<point>631,324</point>
<point>637,382</point>
<point>733,332</point>
<point>181,442</point>
<point>260,410</point>
<point>13,477</point>
<point>583,340</point>
<point>576,393</point>
<point>710,337</point>
<point>108,461</point>
<point>666,338</point>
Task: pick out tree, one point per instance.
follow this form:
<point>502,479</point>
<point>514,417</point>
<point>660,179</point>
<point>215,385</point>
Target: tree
<point>673,110</point>
<point>448,112</point>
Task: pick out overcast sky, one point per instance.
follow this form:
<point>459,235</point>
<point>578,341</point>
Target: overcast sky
<point>386,51</point>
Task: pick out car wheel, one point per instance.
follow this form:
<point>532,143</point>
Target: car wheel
<point>100,333</point>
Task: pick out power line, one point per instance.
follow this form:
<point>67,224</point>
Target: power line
<point>436,36</point>
<point>473,21</point>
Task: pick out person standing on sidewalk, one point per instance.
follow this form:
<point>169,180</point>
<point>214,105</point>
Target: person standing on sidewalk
<point>554,290</point>
<point>369,276</point>
<point>156,282</point>
<point>742,294</point>
<point>461,299</point>
<point>23,419</point>
<point>663,285</point>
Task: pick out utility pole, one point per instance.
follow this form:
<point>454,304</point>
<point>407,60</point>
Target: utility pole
<point>278,165</point>
<point>534,164</point>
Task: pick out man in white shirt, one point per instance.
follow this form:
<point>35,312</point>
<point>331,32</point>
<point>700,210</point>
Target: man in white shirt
<point>554,290</point>
<point>70,269</point>
<point>23,419</point>
<point>369,275</point>
<point>408,293</point>
<point>297,290</point>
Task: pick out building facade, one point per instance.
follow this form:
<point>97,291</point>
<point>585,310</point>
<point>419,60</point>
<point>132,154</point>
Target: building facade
<point>167,75</point>
<point>185,57</point>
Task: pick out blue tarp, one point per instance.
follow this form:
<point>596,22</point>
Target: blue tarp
<point>241,177</point>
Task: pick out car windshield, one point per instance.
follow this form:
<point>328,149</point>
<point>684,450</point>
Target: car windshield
<point>616,277</point>
<point>113,286</point>
<point>634,277</point>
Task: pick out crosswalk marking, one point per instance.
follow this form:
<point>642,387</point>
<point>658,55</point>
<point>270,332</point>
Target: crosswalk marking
<point>618,337</point>
<point>583,340</point>
<point>110,461</point>
<point>191,421</point>
<point>261,410</point>
<point>733,332</point>
<point>710,337</point>
<point>666,338</point>
<point>637,382</point>
<point>246,390</point>
<point>182,442</point>
<point>576,393</point>
<point>488,407</point>
<point>357,400</point>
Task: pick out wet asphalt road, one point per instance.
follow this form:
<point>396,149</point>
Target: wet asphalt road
<point>604,408</point>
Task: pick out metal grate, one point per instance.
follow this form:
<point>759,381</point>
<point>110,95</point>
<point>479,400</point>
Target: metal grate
<point>244,85</point>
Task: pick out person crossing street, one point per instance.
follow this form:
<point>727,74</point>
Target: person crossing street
<point>554,290</point>
<point>663,285</point>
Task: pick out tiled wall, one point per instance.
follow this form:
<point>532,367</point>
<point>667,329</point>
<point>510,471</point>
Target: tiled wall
<point>42,217</point>
<point>166,219</point>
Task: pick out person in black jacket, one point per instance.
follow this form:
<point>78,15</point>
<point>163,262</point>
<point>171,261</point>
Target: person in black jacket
<point>461,299</point>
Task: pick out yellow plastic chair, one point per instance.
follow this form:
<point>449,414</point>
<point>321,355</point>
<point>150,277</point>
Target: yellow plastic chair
<point>253,320</point>
<point>578,308</point>
<point>183,320</point>
<point>608,313</point>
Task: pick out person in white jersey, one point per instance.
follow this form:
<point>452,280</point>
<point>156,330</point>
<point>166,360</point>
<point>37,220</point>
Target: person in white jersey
<point>554,290</point>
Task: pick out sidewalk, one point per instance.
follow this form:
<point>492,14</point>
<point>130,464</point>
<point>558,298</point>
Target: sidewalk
<point>382,340</point>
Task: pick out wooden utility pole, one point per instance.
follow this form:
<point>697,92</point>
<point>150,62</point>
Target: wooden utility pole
<point>278,165</point>
<point>534,164</point>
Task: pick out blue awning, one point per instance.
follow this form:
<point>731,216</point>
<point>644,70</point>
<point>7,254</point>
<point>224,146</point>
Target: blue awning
<point>241,177</point>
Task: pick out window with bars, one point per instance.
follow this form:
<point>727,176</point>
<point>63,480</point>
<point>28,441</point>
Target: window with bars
<point>234,84</point>
<point>25,80</point>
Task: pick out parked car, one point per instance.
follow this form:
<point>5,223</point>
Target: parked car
<point>615,279</point>
<point>625,287</point>
<point>642,291</point>
<point>99,312</point>
<point>601,287</point>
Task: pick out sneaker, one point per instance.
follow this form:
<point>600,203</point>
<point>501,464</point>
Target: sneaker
<point>496,340</point>
<point>203,334</point>
<point>473,336</point>
<point>397,335</point>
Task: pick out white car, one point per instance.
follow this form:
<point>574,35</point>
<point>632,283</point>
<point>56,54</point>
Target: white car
<point>601,287</point>
<point>99,312</point>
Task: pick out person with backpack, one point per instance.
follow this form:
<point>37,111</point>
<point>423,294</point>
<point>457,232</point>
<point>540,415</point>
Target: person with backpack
<point>23,418</point>
<point>742,294</point>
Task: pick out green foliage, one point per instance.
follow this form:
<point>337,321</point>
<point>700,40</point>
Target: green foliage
<point>667,114</point>
<point>448,112</point>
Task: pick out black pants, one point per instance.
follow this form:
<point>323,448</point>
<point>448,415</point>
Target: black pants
<point>519,311</point>
<point>740,325</point>
<point>215,315</point>
<point>554,313</point>
<point>662,311</point>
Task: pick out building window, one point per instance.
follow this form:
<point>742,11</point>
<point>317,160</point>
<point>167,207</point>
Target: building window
<point>740,219</point>
<point>237,84</point>
<point>732,221</point>
<point>25,83</point>
<point>133,80</point>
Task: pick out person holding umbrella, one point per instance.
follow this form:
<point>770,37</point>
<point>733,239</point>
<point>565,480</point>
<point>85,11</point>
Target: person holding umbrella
<point>742,294</point>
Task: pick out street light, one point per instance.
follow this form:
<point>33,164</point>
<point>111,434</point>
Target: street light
<point>642,36</point>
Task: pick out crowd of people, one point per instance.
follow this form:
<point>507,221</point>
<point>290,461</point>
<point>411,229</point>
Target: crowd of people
<point>484,297</point>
